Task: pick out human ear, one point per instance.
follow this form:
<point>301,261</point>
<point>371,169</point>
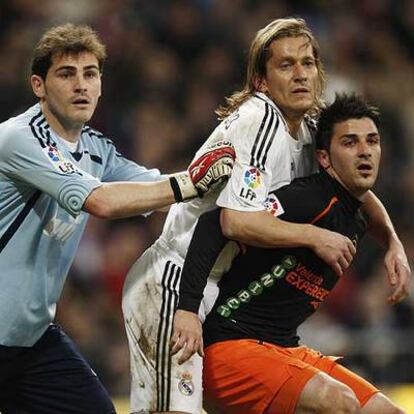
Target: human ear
<point>323,158</point>
<point>38,86</point>
<point>260,84</point>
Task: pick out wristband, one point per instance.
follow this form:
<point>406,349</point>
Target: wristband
<point>182,186</point>
<point>176,189</point>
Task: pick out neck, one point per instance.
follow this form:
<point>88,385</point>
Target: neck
<point>358,194</point>
<point>293,120</point>
<point>65,130</point>
<point>294,125</point>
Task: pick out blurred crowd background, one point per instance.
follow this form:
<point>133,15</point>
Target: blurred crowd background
<point>171,63</point>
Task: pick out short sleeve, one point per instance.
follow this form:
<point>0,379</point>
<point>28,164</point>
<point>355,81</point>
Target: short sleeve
<point>44,167</point>
<point>256,136</point>
<point>119,168</point>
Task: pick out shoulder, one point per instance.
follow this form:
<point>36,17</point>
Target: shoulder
<point>97,138</point>
<point>94,135</point>
<point>304,199</point>
<point>256,122</point>
<point>23,128</point>
<point>257,111</point>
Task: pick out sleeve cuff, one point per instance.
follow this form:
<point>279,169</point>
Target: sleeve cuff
<point>189,303</point>
<point>72,194</point>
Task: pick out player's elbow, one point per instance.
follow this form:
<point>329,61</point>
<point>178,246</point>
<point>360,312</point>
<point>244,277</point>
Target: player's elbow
<point>232,224</point>
<point>98,206</point>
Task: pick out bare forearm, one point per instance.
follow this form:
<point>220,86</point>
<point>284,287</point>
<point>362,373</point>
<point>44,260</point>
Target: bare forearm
<point>261,229</point>
<point>396,262</point>
<point>122,199</point>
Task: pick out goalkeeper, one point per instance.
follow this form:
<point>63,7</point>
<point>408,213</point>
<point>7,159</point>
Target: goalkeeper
<point>54,170</point>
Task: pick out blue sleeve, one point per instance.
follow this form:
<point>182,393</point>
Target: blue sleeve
<point>118,168</point>
<point>24,159</point>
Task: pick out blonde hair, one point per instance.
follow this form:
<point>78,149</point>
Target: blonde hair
<point>259,54</point>
<point>66,39</point>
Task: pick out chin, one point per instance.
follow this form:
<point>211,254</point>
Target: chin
<point>83,119</point>
<point>363,187</point>
<point>303,107</point>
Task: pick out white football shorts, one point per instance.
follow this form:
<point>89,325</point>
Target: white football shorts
<point>150,297</point>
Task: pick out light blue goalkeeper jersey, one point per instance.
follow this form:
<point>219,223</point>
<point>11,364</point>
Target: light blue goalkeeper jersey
<point>42,189</point>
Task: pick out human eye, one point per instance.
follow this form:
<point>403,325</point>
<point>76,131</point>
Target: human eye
<point>64,74</point>
<point>91,74</point>
<point>373,140</point>
<point>348,142</point>
<point>285,65</point>
<point>309,63</point>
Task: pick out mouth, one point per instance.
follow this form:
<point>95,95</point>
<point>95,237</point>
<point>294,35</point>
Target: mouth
<point>365,168</point>
<point>81,102</point>
<point>300,91</point>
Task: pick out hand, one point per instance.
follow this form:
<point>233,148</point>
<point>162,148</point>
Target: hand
<point>398,272</point>
<point>213,165</point>
<point>187,335</point>
<point>333,248</point>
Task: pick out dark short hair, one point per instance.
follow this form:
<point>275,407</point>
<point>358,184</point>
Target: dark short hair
<point>66,39</point>
<point>345,106</point>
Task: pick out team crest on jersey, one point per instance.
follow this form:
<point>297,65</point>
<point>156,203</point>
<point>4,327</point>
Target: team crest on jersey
<point>273,205</point>
<point>59,161</point>
<point>252,178</point>
<point>186,385</point>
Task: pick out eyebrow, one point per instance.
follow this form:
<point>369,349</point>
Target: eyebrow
<point>371,134</point>
<point>70,67</point>
<point>293,58</point>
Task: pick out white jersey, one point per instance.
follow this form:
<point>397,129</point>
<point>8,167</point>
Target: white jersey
<point>267,157</point>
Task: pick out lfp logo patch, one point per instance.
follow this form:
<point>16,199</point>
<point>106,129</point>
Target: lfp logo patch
<point>273,206</point>
<point>54,154</point>
<point>252,178</point>
<point>60,162</point>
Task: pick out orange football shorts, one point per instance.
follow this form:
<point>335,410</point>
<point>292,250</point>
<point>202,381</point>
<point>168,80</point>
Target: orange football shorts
<point>245,376</point>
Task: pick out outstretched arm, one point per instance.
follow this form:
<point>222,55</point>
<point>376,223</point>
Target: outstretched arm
<point>396,263</point>
<point>125,199</point>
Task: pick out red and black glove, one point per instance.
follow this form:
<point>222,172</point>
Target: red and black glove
<point>212,165</point>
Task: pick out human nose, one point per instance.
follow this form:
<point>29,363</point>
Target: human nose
<point>364,149</point>
<point>300,72</point>
<point>80,84</point>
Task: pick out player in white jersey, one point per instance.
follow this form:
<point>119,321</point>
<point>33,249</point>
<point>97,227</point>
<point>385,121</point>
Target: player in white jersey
<point>53,171</point>
<point>270,128</point>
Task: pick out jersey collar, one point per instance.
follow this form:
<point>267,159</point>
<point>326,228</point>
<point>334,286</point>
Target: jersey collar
<point>304,136</point>
<point>351,202</point>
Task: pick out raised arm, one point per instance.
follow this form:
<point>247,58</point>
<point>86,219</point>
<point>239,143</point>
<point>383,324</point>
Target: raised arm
<point>396,263</point>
